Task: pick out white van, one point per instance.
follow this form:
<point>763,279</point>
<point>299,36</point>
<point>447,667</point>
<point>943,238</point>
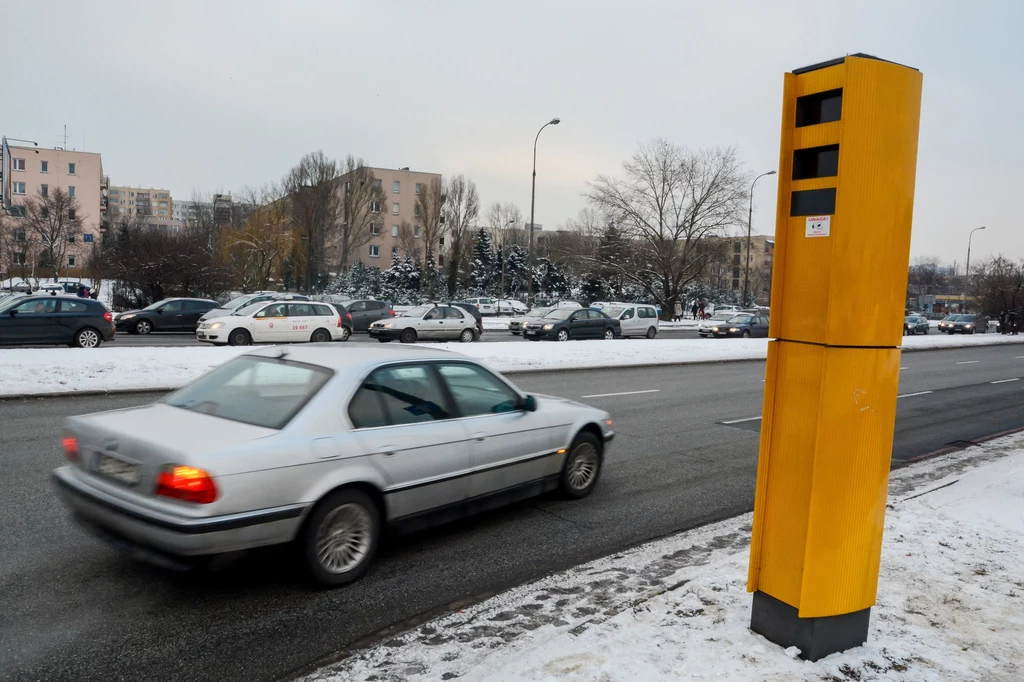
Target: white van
<point>636,319</point>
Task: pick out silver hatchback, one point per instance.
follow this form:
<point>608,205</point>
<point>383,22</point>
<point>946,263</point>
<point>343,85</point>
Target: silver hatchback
<point>324,448</point>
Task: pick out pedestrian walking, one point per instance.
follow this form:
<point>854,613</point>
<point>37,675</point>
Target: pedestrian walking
<point>694,309</point>
<point>1002,321</point>
<point>700,309</point>
<point>83,292</point>
<point>1013,322</point>
<point>678,312</point>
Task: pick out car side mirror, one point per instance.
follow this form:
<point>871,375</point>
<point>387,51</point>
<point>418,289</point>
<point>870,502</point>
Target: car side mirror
<point>14,312</point>
<point>159,311</point>
<point>530,404</point>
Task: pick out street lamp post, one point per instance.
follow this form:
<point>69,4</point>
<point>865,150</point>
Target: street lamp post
<point>750,217</point>
<point>533,193</point>
<point>967,270</point>
<point>504,257</point>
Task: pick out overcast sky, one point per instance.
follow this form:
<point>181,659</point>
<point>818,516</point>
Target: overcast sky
<point>218,95</point>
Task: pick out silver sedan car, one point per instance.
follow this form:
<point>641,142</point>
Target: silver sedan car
<point>323,448</point>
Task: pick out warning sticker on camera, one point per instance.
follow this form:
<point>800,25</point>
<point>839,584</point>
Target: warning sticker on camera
<point>818,226</point>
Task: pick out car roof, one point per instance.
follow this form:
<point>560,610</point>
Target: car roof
<point>352,358</point>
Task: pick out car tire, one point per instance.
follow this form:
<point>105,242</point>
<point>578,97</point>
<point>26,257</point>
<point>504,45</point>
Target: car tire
<point>515,333</point>
<point>652,332</point>
<point>320,336</point>
<point>745,334</point>
<point>143,327</point>
<point>408,336</point>
<point>609,334</point>
<point>346,334</point>
<point>582,466</point>
<point>240,337</point>
<point>563,335</point>
<point>467,336</point>
<point>340,538</point>
<point>87,337</point>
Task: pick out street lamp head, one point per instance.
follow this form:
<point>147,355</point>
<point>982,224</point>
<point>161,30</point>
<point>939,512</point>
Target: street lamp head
<point>771,172</point>
<point>555,121</point>
<point>982,227</point>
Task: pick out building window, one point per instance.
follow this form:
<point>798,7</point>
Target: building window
<point>71,169</point>
<point>374,251</point>
<point>394,251</point>
<point>19,235</point>
<point>736,247</point>
<point>394,209</point>
<point>44,166</point>
<point>374,207</point>
<point>416,210</point>
<point>87,237</point>
<point>396,187</point>
<point>440,259</point>
<point>71,239</point>
<point>441,240</point>
<point>394,230</point>
<point>71,261</point>
<point>18,164</point>
<point>71,214</point>
<point>44,190</point>
<point>735,285</point>
<point>131,194</point>
<point>419,188</point>
<point>19,258</point>
<point>377,183</point>
<point>416,232</point>
<point>71,190</point>
<point>44,211</point>
<point>374,229</point>
<point>18,187</point>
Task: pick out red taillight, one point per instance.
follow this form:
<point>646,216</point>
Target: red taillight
<point>70,444</point>
<point>339,321</point>
<point>391,312</point>
<point>186,483</point>
<point>107,316</point>
<point>348,316</point>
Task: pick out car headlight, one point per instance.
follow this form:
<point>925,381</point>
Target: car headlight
<point>216,325</point>
<point>125,317</point>
<point>968,326</point>
<point>547,327</point>
<point>388,325</point>
<point>733,329</point>
<point>714,329</point>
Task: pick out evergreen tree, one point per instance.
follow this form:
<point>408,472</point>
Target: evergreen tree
<point>516,271</point>
<point>485,274</point>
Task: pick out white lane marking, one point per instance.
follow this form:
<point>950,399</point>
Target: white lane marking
<point>605,395</point>
<point>904,368</point>
<point>968,362</point>
<point>911,395</point>
<point>740,421</point>
<point>1019,357</point>
<point>1004,381</point>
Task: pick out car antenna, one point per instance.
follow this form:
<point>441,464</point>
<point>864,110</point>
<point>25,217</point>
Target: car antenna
<point>281,354</point>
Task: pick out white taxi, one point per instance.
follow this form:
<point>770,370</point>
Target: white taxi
<point>275,322</point>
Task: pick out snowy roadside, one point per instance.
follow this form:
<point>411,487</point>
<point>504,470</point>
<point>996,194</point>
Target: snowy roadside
<point>31,371</point>
<point>950,602</point>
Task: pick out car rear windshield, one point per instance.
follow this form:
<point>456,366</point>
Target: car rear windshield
<point>253,390</point>
<point>559,314</point>
<point>613,312</point>
<point>721,317</point>
<point>740,319</point>
<point>967,318</point>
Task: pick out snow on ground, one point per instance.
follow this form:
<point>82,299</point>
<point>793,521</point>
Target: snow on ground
<point>29,371</point>
<point>950,602</point>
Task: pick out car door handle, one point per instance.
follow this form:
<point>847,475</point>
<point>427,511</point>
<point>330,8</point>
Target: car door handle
<point>479,437</point>
<point>387,450</point>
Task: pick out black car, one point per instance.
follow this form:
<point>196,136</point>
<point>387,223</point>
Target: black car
<point>50,319</point>
<point>562,324</point>
<point>968,324</point>
<point>915,324</point>
<point>475,312</point>
<point>743,325</point>
<point>168,315</point>
<point>366,311</point>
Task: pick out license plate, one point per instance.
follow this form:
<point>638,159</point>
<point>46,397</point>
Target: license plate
<point>118,469</point>
<point>530,333</point>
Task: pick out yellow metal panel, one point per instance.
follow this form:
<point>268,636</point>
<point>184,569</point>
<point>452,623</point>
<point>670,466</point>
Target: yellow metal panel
<point>816,136</point>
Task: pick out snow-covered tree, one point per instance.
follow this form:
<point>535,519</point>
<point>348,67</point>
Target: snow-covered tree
<point>486,272</point>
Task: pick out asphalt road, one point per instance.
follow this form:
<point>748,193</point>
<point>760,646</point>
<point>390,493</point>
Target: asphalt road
<point>73,609</point>
<point>189,339</point>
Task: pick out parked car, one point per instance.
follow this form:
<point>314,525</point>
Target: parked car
<point>563,324</point>
<point>474,312</point>
<point>968,324</point>
<point>727,308</point>
<point>276,322</point>
<point>743,325</point>
<point>248,299</point>
<point>947,322</point>
<point>427,323</point>
<point>486,306</point>
<point>47,319</point>
<point>168,315</point>
<point>915,324</point>
<point>705,327</point>
<point>366,311</point>
<point>557,304</point>
<point>518,324</point>
<point>510,306</point>
<point>635,320</point>
<point>323,451</point>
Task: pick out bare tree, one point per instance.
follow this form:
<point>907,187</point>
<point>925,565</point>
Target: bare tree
<point>257,246</point>
<point>430,218</point>
<point>461,208</point>
<point>362,201</point>
<point>316,206</point>
<point>54,219</point>
<point>670,200</point>
<point>999,283</point>
<point>409,241</point>
<point>506,223</point>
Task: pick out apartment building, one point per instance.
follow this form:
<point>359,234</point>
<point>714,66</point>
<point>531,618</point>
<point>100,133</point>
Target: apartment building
<point>33,172</point>
<point>727,270</point>
<point>134,202</point>
<point>401,189</point>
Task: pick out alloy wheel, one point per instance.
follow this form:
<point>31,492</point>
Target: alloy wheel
<point>88,338</point>
<point>344,538</point>
<point>582,466</point>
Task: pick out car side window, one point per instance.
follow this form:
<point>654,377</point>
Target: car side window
<point>173,307</point>
<point>357,307</point>
<point>73,307</point>
<point>276,310</point>
<point>322,311</point>
<point>299,310</point>
<point>476,391</point>
<point>433,314</point>
<point>410,394</point>
<point>627,314</point>
<point>38,307</point>
<point>375,305</point>
<point>195,306</point>
<point>453,313</point>
<point>366,409</point>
